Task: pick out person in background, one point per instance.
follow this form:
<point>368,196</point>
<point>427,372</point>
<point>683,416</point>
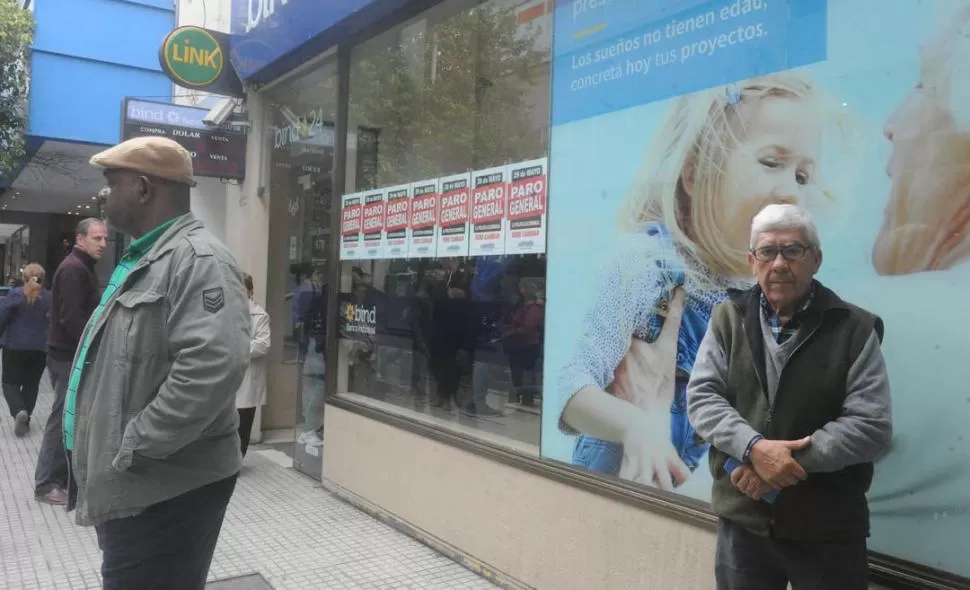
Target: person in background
<point>252,393</point>
<point>521,340</point>
<point>791,389</point>
<point>74,295</point>
<point>419,319</point>
<point>62,251</point>
<point>309,311</point>
<point>150,420</point>
<point>313,310</point>
<point>23,333</point>
<point>452,340</point>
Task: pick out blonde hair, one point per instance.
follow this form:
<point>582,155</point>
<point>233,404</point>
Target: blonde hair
<point>33,275</point>
<point>700,131</point>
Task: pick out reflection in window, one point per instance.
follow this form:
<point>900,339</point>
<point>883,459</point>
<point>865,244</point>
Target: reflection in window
<point>463,87</point>
<point>300,123</point>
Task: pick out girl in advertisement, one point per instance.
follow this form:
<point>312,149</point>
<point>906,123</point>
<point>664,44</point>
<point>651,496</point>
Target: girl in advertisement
<point>722,155</point>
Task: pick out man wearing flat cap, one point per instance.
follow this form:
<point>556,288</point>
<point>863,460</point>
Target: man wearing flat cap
<point>149,417</point>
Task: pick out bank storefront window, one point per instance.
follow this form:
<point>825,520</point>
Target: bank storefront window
<point>443,268</point>
<point>673,123</point>
<point>300,141</point>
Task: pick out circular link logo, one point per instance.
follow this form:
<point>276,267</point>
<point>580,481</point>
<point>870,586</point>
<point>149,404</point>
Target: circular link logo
<point>192,57</point>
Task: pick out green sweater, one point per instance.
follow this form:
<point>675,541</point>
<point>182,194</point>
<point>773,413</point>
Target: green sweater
<point>831,386</point>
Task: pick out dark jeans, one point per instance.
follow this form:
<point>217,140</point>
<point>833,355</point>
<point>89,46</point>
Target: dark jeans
<point>169,545</point>
<point>522,362</point>
<point>51,471</point>
<point>745,561</point>
<point>22,371</point>
<point>246,417</point>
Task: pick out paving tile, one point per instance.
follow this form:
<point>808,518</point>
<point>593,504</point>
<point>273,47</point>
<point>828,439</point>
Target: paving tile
<point>281,529</point>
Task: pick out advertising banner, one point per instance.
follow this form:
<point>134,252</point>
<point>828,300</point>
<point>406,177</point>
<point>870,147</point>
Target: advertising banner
<point>373,234</point>
<point>397,220</point>
<point>453,216</point>
<point>424,219</point>
<point>489,189</point>
<point>351,217</point>
<point>527,208</point>
<point>674,123</point>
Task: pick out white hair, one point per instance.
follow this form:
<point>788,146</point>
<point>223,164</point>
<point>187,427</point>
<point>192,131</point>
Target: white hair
<point>784,218</point>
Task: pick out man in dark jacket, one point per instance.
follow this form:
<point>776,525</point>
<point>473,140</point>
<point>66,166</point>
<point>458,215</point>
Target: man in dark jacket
<point>790,388</point>
<point>75,294</point>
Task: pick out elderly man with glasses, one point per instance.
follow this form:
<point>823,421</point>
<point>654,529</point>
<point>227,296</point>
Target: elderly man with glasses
<point>790,388</point>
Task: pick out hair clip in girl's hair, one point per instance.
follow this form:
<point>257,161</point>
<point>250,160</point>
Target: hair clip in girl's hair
<point>732,94</point>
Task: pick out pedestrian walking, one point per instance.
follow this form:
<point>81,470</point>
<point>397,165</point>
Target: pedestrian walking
<point>149,420</point>
<point>23,334</point>
<point>74,295</point>
<point>791,390</point>
<point>252,393</point>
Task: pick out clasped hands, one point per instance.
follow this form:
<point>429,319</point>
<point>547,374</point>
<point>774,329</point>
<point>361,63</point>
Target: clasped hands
<point>772,467</point>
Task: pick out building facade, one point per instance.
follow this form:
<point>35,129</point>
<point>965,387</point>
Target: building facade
<point>467,217</point>
<point>87,55</point>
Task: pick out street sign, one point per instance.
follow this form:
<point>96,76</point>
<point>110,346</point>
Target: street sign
<point>218,152</point>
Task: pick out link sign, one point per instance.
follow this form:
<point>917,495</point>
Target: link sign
<point>195,58</point>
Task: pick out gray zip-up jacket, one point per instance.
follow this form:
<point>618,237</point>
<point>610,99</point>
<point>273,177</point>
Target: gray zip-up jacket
<point>155,410</point>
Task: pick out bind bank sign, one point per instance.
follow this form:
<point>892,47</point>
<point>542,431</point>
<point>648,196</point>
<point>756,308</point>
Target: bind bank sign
<point>358,319</point>
<point>265,30</point>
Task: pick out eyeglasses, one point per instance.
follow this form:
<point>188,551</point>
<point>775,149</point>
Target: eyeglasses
<point>790,252</point>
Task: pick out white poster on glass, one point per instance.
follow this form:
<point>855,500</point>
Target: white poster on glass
<point>453,216</point>
<point>396,221</point>
<point>489,189</point>
<point>526,224</point>
<point>424,219</point>
<point>374,235</point>
<point>351,211</point>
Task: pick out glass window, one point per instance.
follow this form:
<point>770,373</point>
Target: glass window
<point>452,332</point>
<point>300,117</point>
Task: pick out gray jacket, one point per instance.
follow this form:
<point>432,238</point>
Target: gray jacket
<point>155,410</point>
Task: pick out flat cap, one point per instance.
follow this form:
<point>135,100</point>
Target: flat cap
<point>153,156</point>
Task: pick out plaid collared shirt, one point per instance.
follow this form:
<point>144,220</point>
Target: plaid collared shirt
<point>783,332</point>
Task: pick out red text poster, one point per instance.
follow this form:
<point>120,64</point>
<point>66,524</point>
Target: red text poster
<point>453,215</point>
<point>397,220</point>
<point>351,213</point>
<point>424,219</point>
<point>526,224</point>
<point>489,190</point>
<point>373,225</point>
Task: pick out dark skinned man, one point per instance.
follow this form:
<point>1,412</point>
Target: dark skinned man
<point>150,420</point>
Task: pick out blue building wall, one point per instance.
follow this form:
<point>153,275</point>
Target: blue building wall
<point>87,56</point>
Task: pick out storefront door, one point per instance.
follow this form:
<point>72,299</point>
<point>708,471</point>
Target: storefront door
<point>301,142</point>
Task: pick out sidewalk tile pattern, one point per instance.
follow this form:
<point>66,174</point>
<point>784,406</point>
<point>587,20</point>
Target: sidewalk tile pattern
<point>280,524</point>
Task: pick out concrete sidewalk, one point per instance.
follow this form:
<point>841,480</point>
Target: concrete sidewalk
<point>280,525</point>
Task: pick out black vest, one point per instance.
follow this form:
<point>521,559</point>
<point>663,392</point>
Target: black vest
<point>811,392</point>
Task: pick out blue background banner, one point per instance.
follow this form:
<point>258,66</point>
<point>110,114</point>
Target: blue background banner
<point>614,54</point>
<point>873,109</point>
